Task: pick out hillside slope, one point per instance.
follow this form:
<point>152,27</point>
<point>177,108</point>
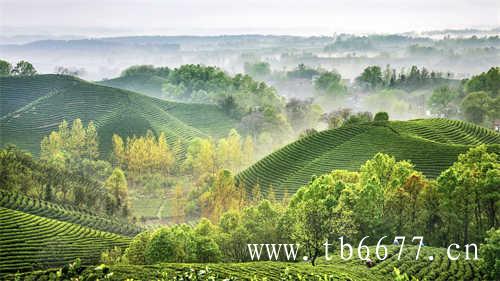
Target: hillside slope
<point>150,85</point>
<point>33,106</point>
<point>29,242</point>
<point>431,144</point>
<point>17,201</point>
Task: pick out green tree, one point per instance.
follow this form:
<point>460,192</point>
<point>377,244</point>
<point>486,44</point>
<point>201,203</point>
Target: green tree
<point>330,82</point>
<point>24,68</point>
<point>257,69</point>
<point>135,252</point>
<point>490,254</point>
<point>441,100</point>
<point>161,247</point>
<point>476,107</point>
<point>5,68</point>
<point>381,117</point>
<point>317,217</point>
<point>469,191</point>
<point>371,78</point>
<point>487,81</point>
<point>116,184</point>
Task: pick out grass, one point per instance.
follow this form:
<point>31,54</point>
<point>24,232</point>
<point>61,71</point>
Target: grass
<point>431,145</point>
<point>33,106</point>
<point>29,242</point>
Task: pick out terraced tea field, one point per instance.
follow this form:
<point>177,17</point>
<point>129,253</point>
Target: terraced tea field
<point>440,268</point>
<point>19,202</point>
<point>34,106</point>
<point>29,242</point>
<point>431,144</point>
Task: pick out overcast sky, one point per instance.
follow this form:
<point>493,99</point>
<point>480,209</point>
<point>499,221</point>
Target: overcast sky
<point>311,17</point>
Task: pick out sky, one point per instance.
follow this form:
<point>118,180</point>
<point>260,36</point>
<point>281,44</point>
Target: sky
<point>213,17</point>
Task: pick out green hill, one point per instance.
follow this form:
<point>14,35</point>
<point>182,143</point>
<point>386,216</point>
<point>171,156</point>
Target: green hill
<point>19,202</point>
<point>30,242</point>
<point>33,106</point>
<point>150,85</point>
<point>431,144</point>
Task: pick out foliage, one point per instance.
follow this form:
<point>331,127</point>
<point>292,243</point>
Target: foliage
<point>470,192</point>
<point>490,254</point>
<point>330,82</point>
<point>116,184</point>
<point>316,215</point>
<point>257,69</point>
<point>302,114</point>
<point>441,100</point>
<point>46,181</point>
<point>487,81</point>
<point>5,68</point>
<point>302,72</point>
<point>23,68</point>
<point>381,117</point>
<point>371,78</point>
<point>145,69</point>
<point>478,106</point>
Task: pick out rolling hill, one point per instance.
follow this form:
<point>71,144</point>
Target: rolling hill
<point>150,85</point>
<point>431,144</point>
<point>33,106</point>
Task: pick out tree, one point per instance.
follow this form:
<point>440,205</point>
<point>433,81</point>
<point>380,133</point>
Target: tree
<point>476,106</point>
<point>257,69</point>
<point>116,184</point>
<point>487,81</point>
<point>490,254</point>
<point>371,78</point>
<point>441,100</point>
<point>381,117</point>
<point>160,247</point>
<point>317,217</point>
<point>24,68</point>
<point>5,68</point>
<point>330,82</point>
<point>470,193</point>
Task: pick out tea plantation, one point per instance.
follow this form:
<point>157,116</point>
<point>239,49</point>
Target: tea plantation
<point>33,106</point>
<point>431,145</point>
<point>19,202</point>
<point>30,242</point>
<point>439,268</point>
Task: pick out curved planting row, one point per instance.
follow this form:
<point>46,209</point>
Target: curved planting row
<point>448,131</point>
<point>440,268</point>
<point>19,202</point>
<point>431,145</point>
<point>30,242</point>
<point>17,92</point>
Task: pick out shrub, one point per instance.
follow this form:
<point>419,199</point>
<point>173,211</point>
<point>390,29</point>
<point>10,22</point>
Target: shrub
<point>381,117</point>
